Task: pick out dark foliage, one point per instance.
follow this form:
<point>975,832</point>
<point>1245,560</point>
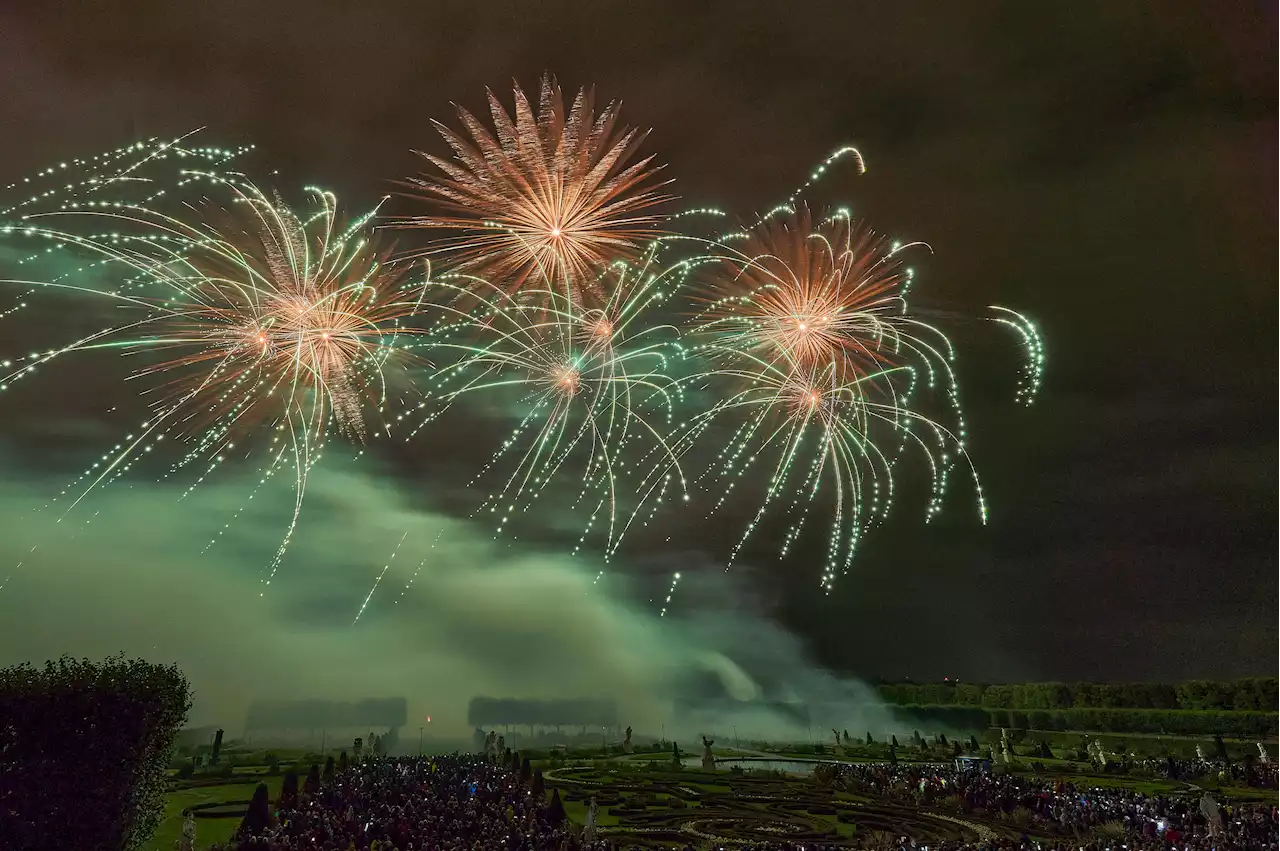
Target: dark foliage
<point>555,811</point>
<point>1252,694</point>
<point>289,791</point>
<point>526,771</point>
<point>539,788</point>
<point>342,761</point>
<point>258,816</point>
<point>84,748</point>
<point>329,768</point>
<point>312,784</point>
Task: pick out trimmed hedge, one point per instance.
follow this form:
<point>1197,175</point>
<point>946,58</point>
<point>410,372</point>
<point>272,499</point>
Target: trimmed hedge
<point>85,746</point>
<point>1251,694</point>
<point>1158,721</point>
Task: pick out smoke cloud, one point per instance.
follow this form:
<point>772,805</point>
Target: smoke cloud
<point>125,571</point>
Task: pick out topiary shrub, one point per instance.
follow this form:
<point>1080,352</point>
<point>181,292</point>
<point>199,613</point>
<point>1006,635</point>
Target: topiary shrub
<point>85,747</point>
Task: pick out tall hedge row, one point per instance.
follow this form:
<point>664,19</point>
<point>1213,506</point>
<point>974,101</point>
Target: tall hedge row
<point>1253,694</point>
<point>83,752</point>
<point>1157,721</point>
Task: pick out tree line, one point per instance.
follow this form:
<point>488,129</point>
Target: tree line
<point>1250,694</point>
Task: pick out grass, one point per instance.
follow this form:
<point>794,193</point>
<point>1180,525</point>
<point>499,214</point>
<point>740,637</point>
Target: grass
<point>208,830</point>
<point>577,813</point>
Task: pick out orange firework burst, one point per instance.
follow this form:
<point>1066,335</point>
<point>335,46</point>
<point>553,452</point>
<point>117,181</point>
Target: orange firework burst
<point>548,201</point>
<point>811,294</point>
<point>284,317</point>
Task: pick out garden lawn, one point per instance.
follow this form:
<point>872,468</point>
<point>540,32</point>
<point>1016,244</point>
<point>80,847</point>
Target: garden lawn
<point>208,830</point>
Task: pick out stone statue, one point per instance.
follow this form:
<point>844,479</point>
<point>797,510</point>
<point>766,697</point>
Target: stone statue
<point>188,840</point>
<point>589,829</point>
<point>708,761</point>
<point>1199,752</point>
<point>1209,809</point>
<point>500,747</point>
<point>839,751</point>
<point>626,744</point>
<point>1005,751</point>
<point>1263,755</point>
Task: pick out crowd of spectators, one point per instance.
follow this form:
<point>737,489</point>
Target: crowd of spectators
<point>466,803</point>
<point>1048,806</point>
<point>443,803</point>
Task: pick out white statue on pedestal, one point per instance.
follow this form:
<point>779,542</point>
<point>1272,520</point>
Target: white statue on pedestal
<point>1005,751</point>
<point>708,761</point>
<point>626,744</point>
<point>839,751</point>
<point>1263,755</point>
<point>188,840</point>
<point>1209,809</point>
<point>589,829</point>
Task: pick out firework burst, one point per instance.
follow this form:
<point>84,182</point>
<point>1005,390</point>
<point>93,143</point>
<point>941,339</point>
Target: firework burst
<point>823,374</point>
<point>810,295</point>
<point>591,384</point>
<point>552,197</point>
<point>255,319</point>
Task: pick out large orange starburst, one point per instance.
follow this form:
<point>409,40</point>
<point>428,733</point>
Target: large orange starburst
<point>811,294</point>
<point>549,199</point>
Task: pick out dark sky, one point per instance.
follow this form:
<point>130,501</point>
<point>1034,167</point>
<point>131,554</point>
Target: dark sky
<point>1107,168</point>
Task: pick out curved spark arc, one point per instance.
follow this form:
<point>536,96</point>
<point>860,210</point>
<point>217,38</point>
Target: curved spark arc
<point>266,320</point>
<point>551,196</point>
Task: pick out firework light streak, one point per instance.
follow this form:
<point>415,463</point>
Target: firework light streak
<point>1033,372</point>
<point>256,320</point>
<point>592,383</point>
<point>551,197</point>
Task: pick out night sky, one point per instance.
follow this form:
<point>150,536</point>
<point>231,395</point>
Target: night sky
<point>1107,168</point>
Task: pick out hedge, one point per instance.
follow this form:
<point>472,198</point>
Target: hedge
<point>85,746</point>
<point>1253,694</point>
<point>1157,721</point>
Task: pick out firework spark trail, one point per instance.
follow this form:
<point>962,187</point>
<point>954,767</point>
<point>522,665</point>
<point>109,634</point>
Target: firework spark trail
<point>141,172</point>
<point>1033,371</point>
<point>554,196</point>
<point>593,382</point>
<point>378,581</point>
<point>265,321</point>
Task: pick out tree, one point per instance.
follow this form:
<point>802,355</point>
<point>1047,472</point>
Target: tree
<point>539,788</point>
<point>916,738</point>
<point>514,762</point>
<point>893,741</point>
<point>675,754</point>
<point>942,740</point>
<point>973,743</point>
<point>289,791</point>
<point>869,739</point>
<point>312,784</point>
<point>217,748</point>
<point>1220,747</point>
<point>258,817</point>
<point>1250,772</point>
<point>893,755</point>
<point>85,748</point>
<point>342,761</point>
<point>329,768</point>
<point>555,811</point>
<point>956,750</point>
<point>526,771</point>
